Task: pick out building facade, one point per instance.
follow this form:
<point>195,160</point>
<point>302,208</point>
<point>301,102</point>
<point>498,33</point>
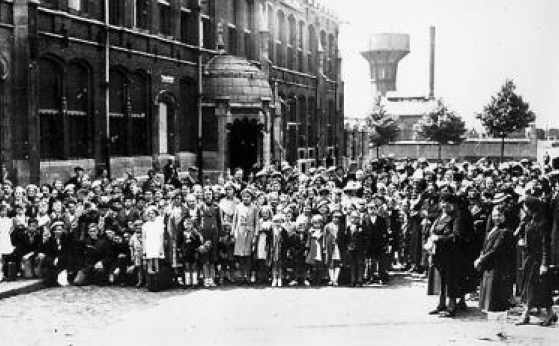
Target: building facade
<point>124,85</point>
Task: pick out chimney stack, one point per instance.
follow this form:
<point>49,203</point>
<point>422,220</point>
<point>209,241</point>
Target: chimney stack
<point>432,64</point>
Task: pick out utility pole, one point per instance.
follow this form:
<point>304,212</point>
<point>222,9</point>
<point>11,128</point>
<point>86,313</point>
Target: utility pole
<point>107,93</point>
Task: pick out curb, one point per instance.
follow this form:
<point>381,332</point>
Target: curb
<point>26,289</point>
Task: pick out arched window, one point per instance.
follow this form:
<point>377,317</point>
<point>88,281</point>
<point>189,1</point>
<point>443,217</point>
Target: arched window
<point>79,115</point>
<point>248,22</point>
<point>139,109</point>
<point>51,135</point>
<point>118,112</point>
<point>281,42</point>
<point>116,12</point>
<point>271,27</point>
<point>332,52</point>
<point>141,14</point>
<point>291,60</point>
<point>300,49</point>
<point>324,44</point>
<point>312,49</point>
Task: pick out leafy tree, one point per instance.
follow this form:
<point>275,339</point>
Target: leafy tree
<point>382,128</point>
<point>506,113</point>
<point>442,125</point>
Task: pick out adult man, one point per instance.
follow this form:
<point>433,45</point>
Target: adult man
<point>97,257</point>
<point>77,179</point>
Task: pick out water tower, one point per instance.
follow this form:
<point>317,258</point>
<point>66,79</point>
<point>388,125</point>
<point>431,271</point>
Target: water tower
<point>384,53</point>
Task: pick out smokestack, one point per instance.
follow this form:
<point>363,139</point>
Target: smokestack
<point>432,64</point>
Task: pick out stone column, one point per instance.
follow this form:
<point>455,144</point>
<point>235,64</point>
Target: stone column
<point>223,115</point>
<point>266,120</point>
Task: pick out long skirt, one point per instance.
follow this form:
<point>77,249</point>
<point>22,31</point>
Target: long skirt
<point>495,292</point>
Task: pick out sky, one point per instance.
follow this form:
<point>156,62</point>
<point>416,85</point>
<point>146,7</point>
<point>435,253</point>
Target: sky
<point>479,44</point>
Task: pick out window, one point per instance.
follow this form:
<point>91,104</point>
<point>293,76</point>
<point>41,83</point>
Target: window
<point>50,115</point>
<point>248,46</point>
<point>303,123</point>
<point>118,113</point>
<point>139,114</point>
<point>79,117</point>
<point>188,121</point>
<point>311,123</point>
<point>116,12</point>
<point>232,37</point>
<point>233,11</point>
<point>248,19</point>
<point>207,33</point>
<point>141,14</point>
<point>164,17</point>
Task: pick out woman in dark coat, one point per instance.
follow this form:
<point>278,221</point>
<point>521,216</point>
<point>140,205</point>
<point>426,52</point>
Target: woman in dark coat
<point>494,262</point>
<point>534,239</point>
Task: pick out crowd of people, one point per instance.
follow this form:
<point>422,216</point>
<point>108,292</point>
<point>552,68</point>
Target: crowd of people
<point>480,228</point>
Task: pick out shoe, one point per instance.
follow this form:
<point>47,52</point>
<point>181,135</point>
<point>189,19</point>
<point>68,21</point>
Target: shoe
<point>524,321</point>
<point>335,284</point>
<point>279,283</point>
<point>462,306</point>
<point>307,283</point>
<point>549,320</point>
<point>438,310</point>
<point>448,314</point>
<point>293,283</point>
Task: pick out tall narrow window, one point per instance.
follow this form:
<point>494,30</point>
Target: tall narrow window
<point>139,86</point>
<point>50,115</point>
<point>118,113</point>
<point>79,117</point>
<point>232,37</point>
<point>141,14</point>
<point>116,12</point>
<point>164,17</point>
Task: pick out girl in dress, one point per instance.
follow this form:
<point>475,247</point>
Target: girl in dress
<point>245,226</point>
<point>190,243</point>
<point>315,245</point>
<point>153,236</point>
<point>332,233</point>
<point>278,247</point>
<point>263,243</point>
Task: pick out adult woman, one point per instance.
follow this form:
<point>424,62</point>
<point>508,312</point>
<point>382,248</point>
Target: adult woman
<point>534,239</point>
<point>494,262</point>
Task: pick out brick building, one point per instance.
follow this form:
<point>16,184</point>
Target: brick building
<point>127,84</point>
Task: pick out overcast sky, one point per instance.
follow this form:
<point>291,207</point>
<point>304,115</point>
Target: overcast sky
<point>479,44</point>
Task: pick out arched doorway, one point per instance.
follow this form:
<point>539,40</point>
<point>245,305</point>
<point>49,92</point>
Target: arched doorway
<point>243,144</point>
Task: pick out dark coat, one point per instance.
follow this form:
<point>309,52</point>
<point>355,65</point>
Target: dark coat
<point>536,289</point>
<point>376,236</point>
<point>189,246</point>
<point>296,249</point>
<point>495,259</point>
<point>210,228</point>
<point>356,241</point>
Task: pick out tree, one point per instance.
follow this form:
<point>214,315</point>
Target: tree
<point>443,126</point>
<point>506,113</point>
<point>382,128</point>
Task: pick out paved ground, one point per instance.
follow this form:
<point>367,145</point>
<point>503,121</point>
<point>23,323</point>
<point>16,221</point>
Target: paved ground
<point>393,315</point>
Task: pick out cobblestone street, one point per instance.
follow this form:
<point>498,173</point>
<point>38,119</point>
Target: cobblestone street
<point>395,315</point>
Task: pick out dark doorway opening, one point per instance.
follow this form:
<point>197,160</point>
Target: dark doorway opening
<point>243,144</point>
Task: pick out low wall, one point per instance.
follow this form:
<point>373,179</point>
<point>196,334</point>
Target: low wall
<point>515,149</point>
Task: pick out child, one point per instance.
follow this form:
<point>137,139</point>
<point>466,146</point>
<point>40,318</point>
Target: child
<point>245,225</point>
<point>191,240</point>
<point>355,240</point>
<point>263,242</point>
<point>136,252</point>
<point>210,227</point>
<point>314,255</point>
<point>6,247</point>
<point>332,233</point>
<point>296,249</point>
<point>277,253</point>
<point>153,236</point>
